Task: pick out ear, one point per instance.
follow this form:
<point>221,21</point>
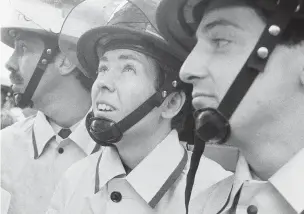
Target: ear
<point>64,65</point>
<point>173,104</point>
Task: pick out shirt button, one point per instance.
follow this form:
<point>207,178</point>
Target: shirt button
<point>116,197</point>
<point>252,209</point>
<point>60,150</point>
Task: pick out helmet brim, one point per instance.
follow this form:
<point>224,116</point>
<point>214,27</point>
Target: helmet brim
<point>9,40</point>
<point>113,37</point>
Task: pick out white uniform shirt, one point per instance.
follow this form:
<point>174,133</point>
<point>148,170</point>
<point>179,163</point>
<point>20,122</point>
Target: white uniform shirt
<point>99,184</point>
<point>32,161</point>
<point>283,193</point>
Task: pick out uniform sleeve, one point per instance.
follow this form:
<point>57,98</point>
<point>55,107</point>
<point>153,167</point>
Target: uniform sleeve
<point>59,198</point>
<point>5,201</point>
<point>67,186</point>
<point>65,189</point>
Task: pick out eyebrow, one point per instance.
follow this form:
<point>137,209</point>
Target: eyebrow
<point>103,58</point>
<point>220,22</point>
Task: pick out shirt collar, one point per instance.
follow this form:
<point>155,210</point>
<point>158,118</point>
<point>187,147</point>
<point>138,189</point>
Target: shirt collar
<point>288,180</point>
<point>42,133</point>
<point>111,166</point>
<point>82,138</point>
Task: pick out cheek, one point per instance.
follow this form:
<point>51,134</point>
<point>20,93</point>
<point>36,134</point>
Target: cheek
<point>27,65</point>
<point>94,91</point>
<point>225,68</point>
<point>135,93</point>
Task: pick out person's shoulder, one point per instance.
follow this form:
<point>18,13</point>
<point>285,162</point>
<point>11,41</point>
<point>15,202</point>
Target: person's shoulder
<point>213,167</point>
<point>19,127</point>
<point>16,133</point>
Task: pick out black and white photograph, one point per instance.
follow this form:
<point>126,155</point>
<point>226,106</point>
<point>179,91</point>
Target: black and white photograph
<point>152,106</point>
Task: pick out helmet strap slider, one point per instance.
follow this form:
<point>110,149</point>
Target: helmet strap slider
<point>263,52</point>
<point>274,30</point>
<point>49,51</point>
<point>174,83</point>
<point>164,94</point>
<point>44,61</point>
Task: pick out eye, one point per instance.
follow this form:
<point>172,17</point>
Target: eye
<point>21,46</point>
<point>24,47</point>
<point>102,69</point>
<point>221,43</point>
<point>129,68</point>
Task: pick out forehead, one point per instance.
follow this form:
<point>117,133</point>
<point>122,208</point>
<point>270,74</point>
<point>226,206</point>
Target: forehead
<point>147,64</point>
<point>240,16</point>
<point>123,54</point>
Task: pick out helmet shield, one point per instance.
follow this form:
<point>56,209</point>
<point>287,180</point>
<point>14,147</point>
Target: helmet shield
<point>101,20</point>
<point>86,16</point>
<point>48,14</point>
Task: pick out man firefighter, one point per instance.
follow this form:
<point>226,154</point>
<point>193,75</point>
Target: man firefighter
<point>136,98</point>
<point>247,71</point>
<point>37,150</point>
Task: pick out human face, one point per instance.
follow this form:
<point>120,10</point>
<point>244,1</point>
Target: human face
<point>224,42</point>
<point>23,61</point>
<point>125,80</point>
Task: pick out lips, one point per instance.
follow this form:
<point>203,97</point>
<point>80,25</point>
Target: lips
<point>16,79</point>
<point>203,100</point>
<point>103,106</point>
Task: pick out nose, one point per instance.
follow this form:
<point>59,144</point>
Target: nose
<point>12,63</point>
<point>106,82</point>
<point>195,66</point>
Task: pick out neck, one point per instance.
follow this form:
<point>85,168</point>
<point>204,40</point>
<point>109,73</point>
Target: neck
<point>65,105</point>
<point>267,150</point>
<point>136,146</point>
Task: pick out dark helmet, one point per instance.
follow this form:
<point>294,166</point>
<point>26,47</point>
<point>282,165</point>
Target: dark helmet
<point>121,24</point>
<point>42,19</point>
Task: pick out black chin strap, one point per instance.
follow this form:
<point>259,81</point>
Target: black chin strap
<point>213,124</point>
<point>23,100</point>
<point>105,132</point>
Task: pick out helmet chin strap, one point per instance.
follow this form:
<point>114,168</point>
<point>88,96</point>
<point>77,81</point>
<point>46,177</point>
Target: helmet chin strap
<point>107,132</point>
<point>212,125</point>
<point>23,100</point>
